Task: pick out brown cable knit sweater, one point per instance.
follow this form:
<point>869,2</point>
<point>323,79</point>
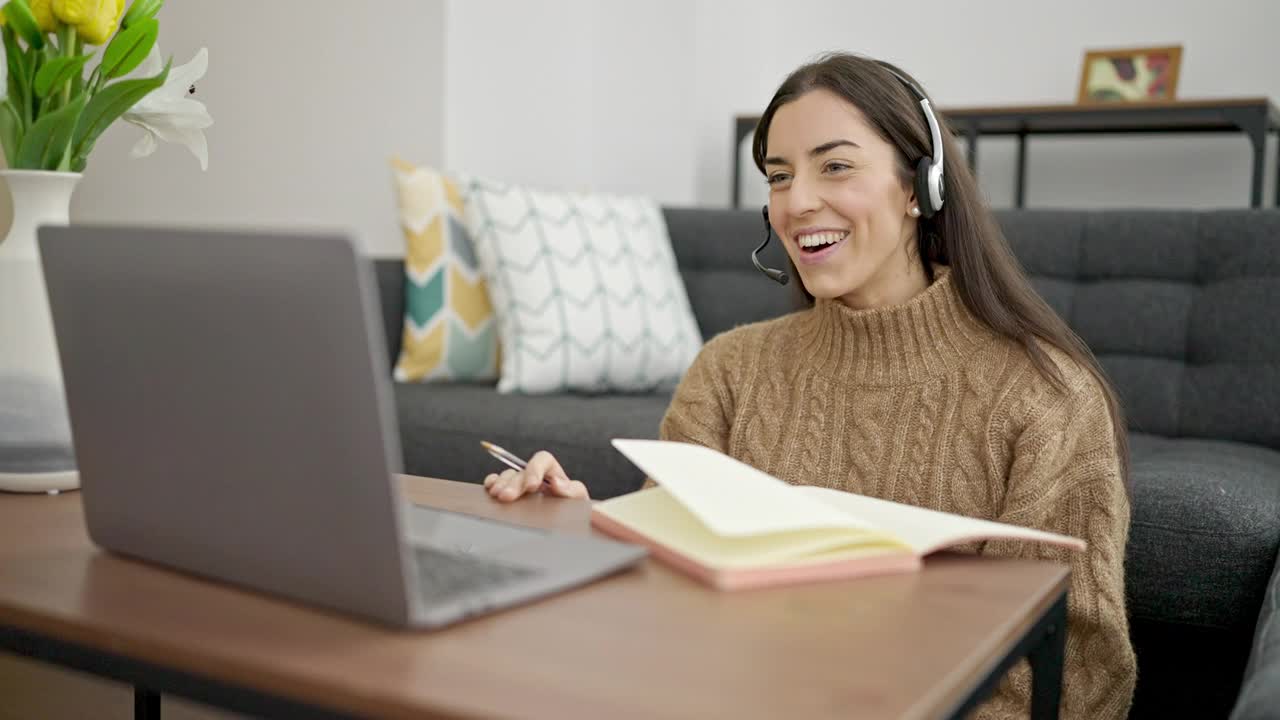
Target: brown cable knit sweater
<point>921,403</point>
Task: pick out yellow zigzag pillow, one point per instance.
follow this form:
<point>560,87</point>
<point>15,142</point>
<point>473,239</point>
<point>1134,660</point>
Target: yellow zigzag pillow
<point>449,328</point>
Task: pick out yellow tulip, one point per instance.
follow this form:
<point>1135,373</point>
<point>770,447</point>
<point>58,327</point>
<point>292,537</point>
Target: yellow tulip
<point>74,12</point>
<point>43,10</point>
<point>95,20</point>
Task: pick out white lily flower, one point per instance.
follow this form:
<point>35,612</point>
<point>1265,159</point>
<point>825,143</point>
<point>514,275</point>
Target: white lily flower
<point>166,113</point>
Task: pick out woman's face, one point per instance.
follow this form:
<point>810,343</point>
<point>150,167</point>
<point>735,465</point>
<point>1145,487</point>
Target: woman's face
<point>839,205</point>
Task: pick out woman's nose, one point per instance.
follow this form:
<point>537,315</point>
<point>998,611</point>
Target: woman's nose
<point>803,197</point>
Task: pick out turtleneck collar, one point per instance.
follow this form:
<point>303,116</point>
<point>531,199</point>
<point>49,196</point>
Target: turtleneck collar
<point>931,334</point>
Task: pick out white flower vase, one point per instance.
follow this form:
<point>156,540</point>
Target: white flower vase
<point>36,453</point>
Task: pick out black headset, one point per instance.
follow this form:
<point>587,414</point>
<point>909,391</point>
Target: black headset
<point>929,184</point>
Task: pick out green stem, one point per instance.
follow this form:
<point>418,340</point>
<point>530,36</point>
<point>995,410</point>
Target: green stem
<point>30,98</point>
<point>77,82</point>
<point>70,41</point>
<point>93,81</point>
<point>102,80</point>
<point>67,38</point>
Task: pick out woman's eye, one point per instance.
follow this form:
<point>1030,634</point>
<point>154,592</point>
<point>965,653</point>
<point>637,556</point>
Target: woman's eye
<point>835,167</point>
<point>776,178</point>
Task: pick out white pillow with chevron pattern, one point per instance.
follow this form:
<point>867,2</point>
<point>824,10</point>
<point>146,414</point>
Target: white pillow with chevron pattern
<point>585,287</point>
<point>449,328</point>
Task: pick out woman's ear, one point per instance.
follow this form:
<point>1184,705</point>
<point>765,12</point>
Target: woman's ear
<point>912,201</point>
<point>912,208</point>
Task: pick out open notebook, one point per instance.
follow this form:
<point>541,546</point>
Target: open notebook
<point>734,527</point>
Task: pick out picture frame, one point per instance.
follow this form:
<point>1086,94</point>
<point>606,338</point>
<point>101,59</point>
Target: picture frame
<point>1130,75</point>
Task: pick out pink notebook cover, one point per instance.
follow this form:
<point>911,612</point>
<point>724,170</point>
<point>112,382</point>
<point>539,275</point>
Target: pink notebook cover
<point>762,577</point>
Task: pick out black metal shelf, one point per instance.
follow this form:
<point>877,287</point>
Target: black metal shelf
<point>1255,117</point>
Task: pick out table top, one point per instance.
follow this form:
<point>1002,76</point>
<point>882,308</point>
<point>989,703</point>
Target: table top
<point>647,643</point>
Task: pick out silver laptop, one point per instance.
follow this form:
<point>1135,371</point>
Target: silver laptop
<point>232,414</point>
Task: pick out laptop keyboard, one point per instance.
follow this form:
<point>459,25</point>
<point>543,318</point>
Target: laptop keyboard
<point>444,575</point>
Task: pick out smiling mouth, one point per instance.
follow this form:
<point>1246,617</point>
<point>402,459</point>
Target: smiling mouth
<point>817,242</point>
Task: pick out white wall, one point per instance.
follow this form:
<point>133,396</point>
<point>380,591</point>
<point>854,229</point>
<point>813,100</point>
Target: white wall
<point>309,101</point>
<point>573,94</point>
<point>637,97</point>
<point>629,96</point>
<point>1019,52</point>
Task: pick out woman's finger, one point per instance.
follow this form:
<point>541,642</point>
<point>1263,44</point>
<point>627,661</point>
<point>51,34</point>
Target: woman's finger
<point>529,481</point>
<point>573,489</point>
<point>502,487</point>
<point>544,465</point>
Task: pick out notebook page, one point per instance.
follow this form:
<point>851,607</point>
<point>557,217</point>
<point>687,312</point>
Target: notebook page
<point>730,497</point>
<point>929,530</point>
<point>655,514</point>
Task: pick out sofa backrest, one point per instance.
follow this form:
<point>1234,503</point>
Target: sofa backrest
<point>1180,306</point>
<point>713,249</point>
<point>389,272</point>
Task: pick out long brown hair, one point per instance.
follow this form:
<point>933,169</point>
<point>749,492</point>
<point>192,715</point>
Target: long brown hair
<point>963,234</point>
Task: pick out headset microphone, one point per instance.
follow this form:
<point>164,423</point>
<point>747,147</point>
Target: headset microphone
<point>774,274</point>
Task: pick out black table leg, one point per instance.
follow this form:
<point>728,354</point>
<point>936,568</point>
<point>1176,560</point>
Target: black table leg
<point>146,704</point>
<point>1253,123</point>
<point>1044,647</point>
<point>1259,149</point>
<point>1047,658</point>
<point>1020,196</point>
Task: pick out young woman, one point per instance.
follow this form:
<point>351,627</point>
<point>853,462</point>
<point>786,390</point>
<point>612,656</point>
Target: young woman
<point>926,371</point>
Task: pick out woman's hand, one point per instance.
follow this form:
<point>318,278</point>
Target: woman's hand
<point>542,473</point>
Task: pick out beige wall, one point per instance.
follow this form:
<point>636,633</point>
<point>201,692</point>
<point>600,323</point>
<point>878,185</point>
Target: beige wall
<point>309,100</point>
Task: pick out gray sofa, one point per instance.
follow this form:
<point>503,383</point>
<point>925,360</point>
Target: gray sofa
<point>1183,310</point>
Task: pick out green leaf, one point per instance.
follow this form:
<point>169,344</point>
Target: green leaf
<point>108,104</point>
<point>46,141</point>
<point>18,13</point>
<point>58,71</point>
<point>140,10</point>
<point>10,132</point>
<point>17,60</point>
<point>129,48</point>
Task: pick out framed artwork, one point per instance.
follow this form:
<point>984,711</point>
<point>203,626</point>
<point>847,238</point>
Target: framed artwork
<point>1130,75</point>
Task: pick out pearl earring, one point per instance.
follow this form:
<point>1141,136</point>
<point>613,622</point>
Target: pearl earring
<point>914,211</point>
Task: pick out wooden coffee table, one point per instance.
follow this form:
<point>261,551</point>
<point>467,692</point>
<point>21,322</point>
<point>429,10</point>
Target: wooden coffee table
<point>647,643</point>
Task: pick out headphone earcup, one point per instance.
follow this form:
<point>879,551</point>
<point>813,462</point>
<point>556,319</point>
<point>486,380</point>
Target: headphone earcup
<point>923,197</point>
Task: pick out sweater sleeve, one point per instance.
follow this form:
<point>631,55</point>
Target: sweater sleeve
<point>702,406</point>
<point>1066,477</point>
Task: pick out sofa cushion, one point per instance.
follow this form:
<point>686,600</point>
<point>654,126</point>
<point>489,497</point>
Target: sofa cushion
<point>1260,694</point>
<point>441,427</point>
<point>449,331</point>
<point>1206,526</point>
<point>586,287</point>
<point>1206,518</point>
<point>1175,305</point>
